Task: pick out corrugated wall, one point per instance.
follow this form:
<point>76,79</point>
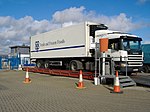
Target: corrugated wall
<point>146,50</point>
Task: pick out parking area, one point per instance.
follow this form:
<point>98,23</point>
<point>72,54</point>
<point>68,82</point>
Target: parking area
<point>48,93</point>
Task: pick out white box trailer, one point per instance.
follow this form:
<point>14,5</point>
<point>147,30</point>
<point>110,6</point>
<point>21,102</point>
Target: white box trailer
<point>72,41</point>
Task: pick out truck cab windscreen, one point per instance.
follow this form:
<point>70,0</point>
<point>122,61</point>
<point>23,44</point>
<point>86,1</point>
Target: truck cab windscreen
<point>131,44</point>
<point>125,43</point>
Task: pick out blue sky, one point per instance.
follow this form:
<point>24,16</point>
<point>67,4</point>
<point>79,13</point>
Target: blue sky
<point>19,19</point>
<point>44,9</point>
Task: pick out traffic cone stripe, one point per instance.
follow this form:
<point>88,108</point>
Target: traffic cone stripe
<point>117,81</point>
<point>80,76</point>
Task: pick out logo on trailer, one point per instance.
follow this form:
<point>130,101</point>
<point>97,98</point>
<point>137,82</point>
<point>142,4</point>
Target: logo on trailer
<point>37,45</point>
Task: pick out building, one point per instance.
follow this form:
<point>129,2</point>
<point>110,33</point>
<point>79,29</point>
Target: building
<point>19,56</point>
<point>4,62</point>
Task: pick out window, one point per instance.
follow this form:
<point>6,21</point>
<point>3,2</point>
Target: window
<point>24,50</point>
<point>131,44</point>
<point>114,44</point>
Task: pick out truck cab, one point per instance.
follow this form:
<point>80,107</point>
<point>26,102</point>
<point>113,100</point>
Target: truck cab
<point>124,49</point>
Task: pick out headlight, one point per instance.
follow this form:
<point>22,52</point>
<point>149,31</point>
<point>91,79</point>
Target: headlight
<point>123,65</point>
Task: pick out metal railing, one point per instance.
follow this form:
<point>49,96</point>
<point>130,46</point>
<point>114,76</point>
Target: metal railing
<point>110,62</point>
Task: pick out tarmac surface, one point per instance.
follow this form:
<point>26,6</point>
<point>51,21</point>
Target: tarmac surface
<point>142,79</point>
<point>48,93</point>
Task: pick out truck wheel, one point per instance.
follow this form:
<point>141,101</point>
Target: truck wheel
<point>39,64</point>
<point>76,65</point>
<point>145,69</point>
<point>73,65</point>
<point>46,64</point>
<point>148,67</point>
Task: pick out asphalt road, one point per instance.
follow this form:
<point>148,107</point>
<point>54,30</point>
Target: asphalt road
<point>142,79</point>
<point>59,94</point>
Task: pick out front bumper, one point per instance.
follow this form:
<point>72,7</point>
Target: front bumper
<point>131,69</point>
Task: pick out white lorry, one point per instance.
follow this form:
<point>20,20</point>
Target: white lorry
<point>75,47</point>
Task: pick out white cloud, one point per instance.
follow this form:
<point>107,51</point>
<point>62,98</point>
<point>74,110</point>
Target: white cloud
<point>72,14</point>
<point>146,42</point>
<point>75,15</point>
<point>143,1</point>
<point>17,31</point>
<point>119,22</point>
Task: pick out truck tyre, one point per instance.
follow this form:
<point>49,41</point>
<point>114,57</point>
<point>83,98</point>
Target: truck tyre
<point>76,65</point>
<point>148,67</point>
<point>145,69</point>
<point>46,64</point>
<point>39,64</point>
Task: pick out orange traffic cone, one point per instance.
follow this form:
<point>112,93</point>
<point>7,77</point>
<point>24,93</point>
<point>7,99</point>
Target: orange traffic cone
<point>80,83</point>
<point>117,85</point>
<point>27,79</point>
